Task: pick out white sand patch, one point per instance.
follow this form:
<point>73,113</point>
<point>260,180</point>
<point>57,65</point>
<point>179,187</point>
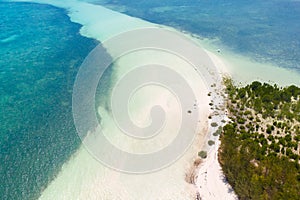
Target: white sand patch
<point>145,98</point>
<point>85,178</point>
<point>211,181</point>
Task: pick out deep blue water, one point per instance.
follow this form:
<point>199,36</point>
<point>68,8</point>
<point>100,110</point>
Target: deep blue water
<point>40,52</point>
<point>266,31</point>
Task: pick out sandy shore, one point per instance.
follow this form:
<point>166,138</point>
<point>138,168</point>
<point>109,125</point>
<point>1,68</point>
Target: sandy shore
<point>85,178</point>
<point>82,177</point>
<point>211,182</point>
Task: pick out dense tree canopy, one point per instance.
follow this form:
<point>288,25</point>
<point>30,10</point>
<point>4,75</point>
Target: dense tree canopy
<point>259,148</point>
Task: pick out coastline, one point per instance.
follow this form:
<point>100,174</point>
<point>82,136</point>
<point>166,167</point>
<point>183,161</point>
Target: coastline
<point>83,177</point>
<point>243,70</point>
<point>169,183</point>
<point>209,174</point>
<point>211,182</point>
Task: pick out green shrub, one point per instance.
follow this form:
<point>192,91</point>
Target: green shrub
<point>214,124</point>
<point>210,142</point>
<point>202,154</point>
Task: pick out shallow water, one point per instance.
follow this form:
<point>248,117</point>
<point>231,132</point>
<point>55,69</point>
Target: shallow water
<point>266,31</point>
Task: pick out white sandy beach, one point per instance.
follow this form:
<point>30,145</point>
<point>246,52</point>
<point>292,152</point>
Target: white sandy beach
<point>85,178</point>
<point>82,177</point>
<point>211,180</point>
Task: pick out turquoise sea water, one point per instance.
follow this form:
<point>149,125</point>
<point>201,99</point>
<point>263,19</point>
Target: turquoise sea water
<point>40,52</point>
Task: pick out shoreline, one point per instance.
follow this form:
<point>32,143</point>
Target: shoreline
<point>83,177</point>
<point>169,183</point>
<point>211,182</point>
<point>242,69</point>
<point>209,173</point>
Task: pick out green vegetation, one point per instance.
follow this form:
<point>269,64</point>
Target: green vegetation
<point>218,132</point>
<point>259,150</point>
<point>211,142</point>
<point>202,154</point>
<point>214,124</point>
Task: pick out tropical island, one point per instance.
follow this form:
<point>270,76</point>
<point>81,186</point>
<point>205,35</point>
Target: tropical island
<point>259,151</point>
